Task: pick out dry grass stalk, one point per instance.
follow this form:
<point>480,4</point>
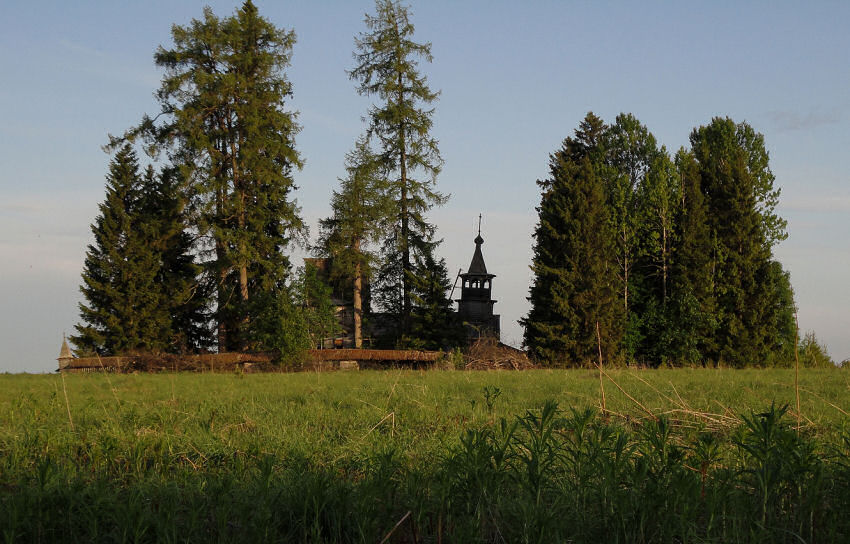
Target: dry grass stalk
<point>797,367</point>
<point>819,397</point>
<point>623,391</point>
<point>396,526</point>
<point>716,421</point>
<point>67,402</point>
<point>601,384</point>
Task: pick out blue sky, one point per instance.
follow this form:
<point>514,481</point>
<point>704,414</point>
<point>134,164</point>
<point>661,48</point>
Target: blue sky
<point>515,79</point>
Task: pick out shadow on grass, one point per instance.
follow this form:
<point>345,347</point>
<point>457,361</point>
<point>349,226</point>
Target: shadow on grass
<point>545,476</point>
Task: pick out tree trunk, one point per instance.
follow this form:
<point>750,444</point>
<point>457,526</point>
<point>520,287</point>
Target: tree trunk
<point>220,250</point>
<point>358,299</point>
<point>242,223</point>
<point>664,266</point>
<point>239,187</point>
<point>625,274</point>
<point>405,225</point>
<point>222,298</point>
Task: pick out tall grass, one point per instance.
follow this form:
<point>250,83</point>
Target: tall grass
<point>356,457</point>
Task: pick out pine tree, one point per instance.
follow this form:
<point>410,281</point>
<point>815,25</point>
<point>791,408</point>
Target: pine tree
<point>388,67</point>
<point>225,123</point>
<point>359,213</point>
<point>124,310</point>
<point>575,285</point>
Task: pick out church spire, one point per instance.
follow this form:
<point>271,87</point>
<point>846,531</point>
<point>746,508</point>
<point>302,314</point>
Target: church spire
<point>477,265</point>
<point>65,355</point>
<point>475,306</point>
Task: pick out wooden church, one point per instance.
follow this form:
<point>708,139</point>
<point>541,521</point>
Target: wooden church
<point>475,305</point>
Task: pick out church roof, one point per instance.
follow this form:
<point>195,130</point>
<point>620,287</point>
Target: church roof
<point>65,351</point>
<point>477,265</point>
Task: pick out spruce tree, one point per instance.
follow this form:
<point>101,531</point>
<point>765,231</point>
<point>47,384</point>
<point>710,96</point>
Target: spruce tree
<point>434,324</point>
<point>735,178</point>
<point>224,121</point>
<point>186,298</point>
<point>574,285</point>
<point>693,322</point>
<point>124,309</point>
<point>400,127</point>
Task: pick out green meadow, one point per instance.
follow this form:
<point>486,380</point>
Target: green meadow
<point>684,455</point>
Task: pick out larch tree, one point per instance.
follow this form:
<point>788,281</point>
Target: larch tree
<point>360,210</point>
<point>399,127</point>
<point>224,121</point>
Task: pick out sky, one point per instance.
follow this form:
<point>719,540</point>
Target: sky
<point>515,79</point>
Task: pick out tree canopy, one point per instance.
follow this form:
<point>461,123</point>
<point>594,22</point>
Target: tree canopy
<point>399,127</point>
<point>224,122</point>
<point>686,242</point>
<point>139,275</point>
<point>648,256</point>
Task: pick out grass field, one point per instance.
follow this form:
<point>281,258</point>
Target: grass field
<point>682,456</point>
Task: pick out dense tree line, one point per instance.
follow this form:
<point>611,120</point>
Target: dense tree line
<point>195,258</point>
<point>640,254</point>
<point>227,137</point>
<point>657,259</point>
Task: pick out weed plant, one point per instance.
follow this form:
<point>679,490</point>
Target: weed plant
<point>708,456</point>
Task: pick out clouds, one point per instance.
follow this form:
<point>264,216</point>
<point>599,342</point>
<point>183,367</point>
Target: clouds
<point>43,239</point>
<point>786,121</point>
<point>82,50</point>
<point>836,203</point>
<point>45,235</point>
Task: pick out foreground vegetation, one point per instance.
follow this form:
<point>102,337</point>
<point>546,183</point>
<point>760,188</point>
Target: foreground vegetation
<point>682,455</point>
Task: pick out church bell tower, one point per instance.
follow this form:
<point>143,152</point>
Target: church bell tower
<point>475,306</point>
